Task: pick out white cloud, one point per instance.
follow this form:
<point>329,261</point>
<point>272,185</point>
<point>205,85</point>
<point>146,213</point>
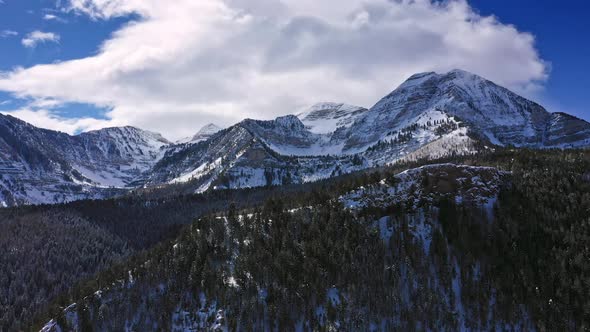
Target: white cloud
<point>184,65</point>
<point>8,33</point>
<point>45,103</point>
<point>32,39</point>
<point>46,119</point>
<point>53,17</point>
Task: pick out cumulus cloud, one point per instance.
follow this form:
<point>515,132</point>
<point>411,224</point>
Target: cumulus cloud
<point>32,39</point>
<point>184,65</point>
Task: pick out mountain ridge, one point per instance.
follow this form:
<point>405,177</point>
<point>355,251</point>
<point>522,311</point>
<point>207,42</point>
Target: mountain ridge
<point>429,115</point>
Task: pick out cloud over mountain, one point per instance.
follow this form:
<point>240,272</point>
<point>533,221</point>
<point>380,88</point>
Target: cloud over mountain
<point>218,61</point>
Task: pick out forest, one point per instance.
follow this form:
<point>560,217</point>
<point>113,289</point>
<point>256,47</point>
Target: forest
<point>305,261</point>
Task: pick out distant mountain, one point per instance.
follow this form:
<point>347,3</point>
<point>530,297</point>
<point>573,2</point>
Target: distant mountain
<point>43,166</point>
<point>429,116</point>
<point>202,135</point>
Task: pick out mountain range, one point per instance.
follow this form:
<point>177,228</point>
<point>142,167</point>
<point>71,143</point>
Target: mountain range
<point>430,115</point>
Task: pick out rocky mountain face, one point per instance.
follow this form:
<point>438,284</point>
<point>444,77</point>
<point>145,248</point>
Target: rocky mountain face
<point>43,166</point>
<point>470,185</point>
<point>429,116</point>
<point>492,113</point>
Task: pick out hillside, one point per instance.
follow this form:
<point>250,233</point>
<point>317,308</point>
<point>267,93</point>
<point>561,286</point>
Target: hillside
<point>472,248</point>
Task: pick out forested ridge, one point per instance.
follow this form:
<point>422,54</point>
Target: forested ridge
<point>306,261</point>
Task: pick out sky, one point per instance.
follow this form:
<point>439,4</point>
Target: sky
<point>175,66</point>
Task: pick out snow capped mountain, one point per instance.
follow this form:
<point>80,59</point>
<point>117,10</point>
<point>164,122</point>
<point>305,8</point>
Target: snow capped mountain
<point>43,166</point>
<point>206,132</point>
<point>122,154</point>
<point>490,111</point>
<point>244,155</point>
<point>430,115</point>
<point>202,135</point>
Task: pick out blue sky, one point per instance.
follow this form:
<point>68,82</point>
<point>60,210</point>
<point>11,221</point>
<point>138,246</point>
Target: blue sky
<point>80,37</point>
<point>75,65</point>
<point>561,29</point>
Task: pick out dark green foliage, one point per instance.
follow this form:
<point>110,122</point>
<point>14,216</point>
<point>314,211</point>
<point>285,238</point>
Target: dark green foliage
<point>39,265</point>
<point>542,235</point>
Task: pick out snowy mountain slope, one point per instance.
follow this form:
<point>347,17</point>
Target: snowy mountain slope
<point>122,153</point>
<point>237,158</point>
<point>564,130</point>
<point>426,108</point>
<point>490,111</point>
<point>326,118</point>
<point>428,116</point>
<point>253,153</point>
<point>43,166</point>
<point>202,161</point>
<point>307,147</point>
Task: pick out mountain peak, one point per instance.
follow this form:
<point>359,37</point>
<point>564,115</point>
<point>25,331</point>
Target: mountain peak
<point>417,79</point>
<point>421,75</point>
<point>464,78</point>
<point>208,129</point>
<point>491,111</point>
<point>458,71</point>
<point>455,76</point>
<point>203,134</point>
